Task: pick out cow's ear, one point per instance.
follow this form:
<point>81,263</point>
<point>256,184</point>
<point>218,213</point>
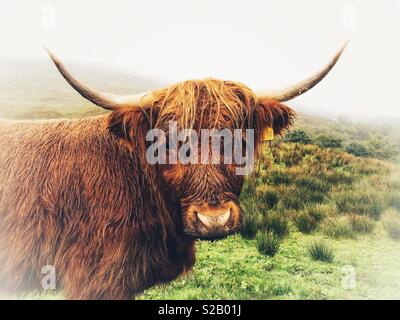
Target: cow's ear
<point>130,126</point>
<point>273,114</point>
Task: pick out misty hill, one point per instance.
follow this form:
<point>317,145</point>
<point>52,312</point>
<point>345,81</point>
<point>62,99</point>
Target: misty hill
<point>32,89</point>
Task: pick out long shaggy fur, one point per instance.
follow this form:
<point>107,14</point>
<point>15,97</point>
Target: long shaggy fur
<point>71,196</point>
<point>79,194</point>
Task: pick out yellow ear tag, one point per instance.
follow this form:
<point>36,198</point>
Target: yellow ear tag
<point>267,134</point>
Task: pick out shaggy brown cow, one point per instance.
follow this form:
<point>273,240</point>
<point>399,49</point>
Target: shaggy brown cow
<point>79,195</point>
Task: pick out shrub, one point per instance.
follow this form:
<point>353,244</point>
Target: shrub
<point>361,224</point>
<point>275,222</point>
<point>298,136</point>
<point>267,243</point>
<point>391,223</point>
<point>357,149</point>
<point>325,141</point>
<point>320,251</point>
<point>337,227</point>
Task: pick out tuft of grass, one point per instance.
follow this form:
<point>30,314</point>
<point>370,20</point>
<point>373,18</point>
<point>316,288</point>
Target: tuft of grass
<point>250,226</point>
<point>337,227</point>
<point>305,223</point>
<point>267,243</point>
<point>391,223</point>
<point>309,219</point>
<point>269,198</point>
<point>251,218</point>
<point>320,251</point>
<point>275,222</point>
<point>361,224</point>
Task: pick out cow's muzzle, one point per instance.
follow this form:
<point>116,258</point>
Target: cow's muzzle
<point>212,222</point>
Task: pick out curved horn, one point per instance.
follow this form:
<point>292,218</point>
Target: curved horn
<point>296,90</point>
<point>102,99</point>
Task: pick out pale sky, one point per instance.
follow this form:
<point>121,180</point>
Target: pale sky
<point>264,44</point>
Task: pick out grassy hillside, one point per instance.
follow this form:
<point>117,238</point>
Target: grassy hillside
<point>316,203</point>
<point>34,89</point>
<point>367,139</point>
<point>313,216</point>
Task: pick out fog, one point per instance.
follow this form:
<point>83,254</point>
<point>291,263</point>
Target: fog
<point>264,44</point>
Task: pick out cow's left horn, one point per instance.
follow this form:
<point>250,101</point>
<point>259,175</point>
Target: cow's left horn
<point>296,90</point>
<point>102,99</point>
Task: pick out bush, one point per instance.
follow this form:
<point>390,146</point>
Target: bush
<point>361,224</point>
<point>275,222</point>
<point>320,251</point>
<point>391,223</point>
<point>337,227</point>
<point>325,141</point>
<point>357,149</point>
<point>267,243</point>
<point>298,136</point>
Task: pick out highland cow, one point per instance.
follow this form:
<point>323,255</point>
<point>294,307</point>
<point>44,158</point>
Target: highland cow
<point>80,195</point>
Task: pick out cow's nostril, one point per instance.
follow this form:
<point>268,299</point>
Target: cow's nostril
<point>217,221</point>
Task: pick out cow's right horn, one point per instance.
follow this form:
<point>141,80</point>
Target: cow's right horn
<point>298,89</point>
<point>102,99</point>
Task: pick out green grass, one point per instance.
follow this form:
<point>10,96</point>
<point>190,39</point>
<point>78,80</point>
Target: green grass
<point>234,269</point>
<point>361,224</point>
<point>275,222</point>
<point>320,251</point>
<point>326,195</point>
<point>391,223</point>
<point>267,243</point>
<point>337,227</point>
